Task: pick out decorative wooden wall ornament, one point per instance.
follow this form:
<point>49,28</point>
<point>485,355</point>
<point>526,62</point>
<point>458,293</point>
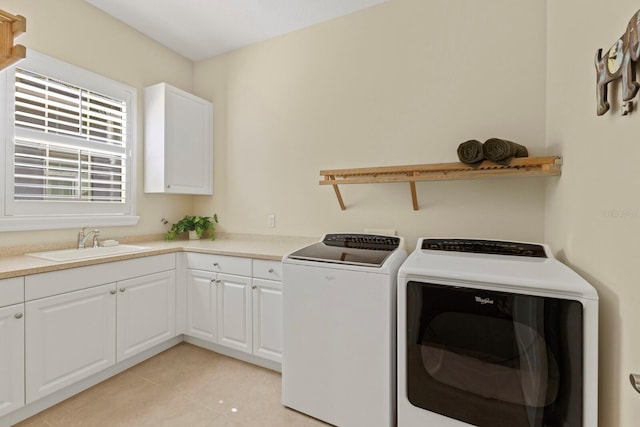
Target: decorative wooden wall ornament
<point>10,27</point>
<point>619,61</point>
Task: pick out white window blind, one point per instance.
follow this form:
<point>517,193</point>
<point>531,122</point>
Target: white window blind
<point>70,142</point>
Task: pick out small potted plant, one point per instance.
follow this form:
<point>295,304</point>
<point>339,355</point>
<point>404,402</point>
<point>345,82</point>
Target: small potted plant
<point>195,225</point>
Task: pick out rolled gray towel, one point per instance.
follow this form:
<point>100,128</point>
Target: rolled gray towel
<point>470,152</point>
<point>502,151</point>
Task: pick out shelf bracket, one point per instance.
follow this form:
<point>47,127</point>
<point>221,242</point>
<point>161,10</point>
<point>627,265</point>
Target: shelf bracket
<point>10,27</point>
<point>414,194</point>
<point>337,191</point>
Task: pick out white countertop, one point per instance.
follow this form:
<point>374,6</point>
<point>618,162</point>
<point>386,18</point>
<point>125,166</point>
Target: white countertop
<point>248,246</point>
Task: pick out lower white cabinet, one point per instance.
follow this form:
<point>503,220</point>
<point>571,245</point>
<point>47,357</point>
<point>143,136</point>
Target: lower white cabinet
<point>267,319</point>
<point>202,305</point>
<point>236,302</point>
<point>69,337</point>
<point>219,309</point>
<point>75,326</point>
<point>146,312</point>
<point>11,358</point>
<point>234,312</point>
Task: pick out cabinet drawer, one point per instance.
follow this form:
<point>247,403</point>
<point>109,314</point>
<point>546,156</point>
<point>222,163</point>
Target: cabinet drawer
<point>73,279</point>
<point>11,291</point>
<point>219,263</point>
<point>270,270</point>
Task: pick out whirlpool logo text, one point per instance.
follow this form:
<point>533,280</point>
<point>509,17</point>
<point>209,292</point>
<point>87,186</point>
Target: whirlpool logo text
<point>484,301</point>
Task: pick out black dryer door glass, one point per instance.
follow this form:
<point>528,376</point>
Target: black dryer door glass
<point>494,358</point>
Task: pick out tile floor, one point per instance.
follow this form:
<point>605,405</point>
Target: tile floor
<point>183,386</point>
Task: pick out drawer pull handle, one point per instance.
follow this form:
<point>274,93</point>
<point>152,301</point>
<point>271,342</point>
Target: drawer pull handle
<point>215,264</point>
<point>112,292</point>
<point>122,289</point>
<point>271,270</point>
<point>18,315</point>
<point>254,287</point>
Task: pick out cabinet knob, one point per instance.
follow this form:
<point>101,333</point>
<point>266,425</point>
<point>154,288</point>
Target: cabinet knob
<point>254,287</point>
<point>271,270</point>
<point>122,289</point>
<point>18,315</point>
<point>112,292</point>
<point>215,264</point>
<point>168,185</point>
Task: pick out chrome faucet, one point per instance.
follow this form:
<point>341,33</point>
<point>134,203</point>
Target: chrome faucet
<point>82,238</point>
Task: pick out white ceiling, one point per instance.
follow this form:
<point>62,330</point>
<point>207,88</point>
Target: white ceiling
<point>200,29</point>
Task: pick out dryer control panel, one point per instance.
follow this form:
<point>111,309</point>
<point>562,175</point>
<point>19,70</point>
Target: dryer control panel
<point>493,247</point>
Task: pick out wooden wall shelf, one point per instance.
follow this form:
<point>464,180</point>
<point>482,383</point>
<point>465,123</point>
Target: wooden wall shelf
<point>10,27</point>
<point>519,167</point>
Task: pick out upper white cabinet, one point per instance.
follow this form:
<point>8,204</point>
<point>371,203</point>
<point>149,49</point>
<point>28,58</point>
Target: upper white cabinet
<point>178,142</point>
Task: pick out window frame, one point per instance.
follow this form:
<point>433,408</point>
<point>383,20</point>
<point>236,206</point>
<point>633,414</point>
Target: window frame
<point>72,214</point>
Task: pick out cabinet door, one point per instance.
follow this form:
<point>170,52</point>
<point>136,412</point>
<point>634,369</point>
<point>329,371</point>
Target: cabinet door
<point>11,358</point>
<point>188,144</point>
<point>146,312</point>
<point>202,305</point>
<point>68,337</point>
<point>267,319</point>
<point>234,312</point>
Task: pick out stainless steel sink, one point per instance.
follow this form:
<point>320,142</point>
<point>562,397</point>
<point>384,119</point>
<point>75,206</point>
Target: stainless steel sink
<point>63,255</point>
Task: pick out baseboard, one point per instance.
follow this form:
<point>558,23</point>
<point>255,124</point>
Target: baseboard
<point>249,358</point>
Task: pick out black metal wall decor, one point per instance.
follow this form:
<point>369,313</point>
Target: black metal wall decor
<point>619,62</point>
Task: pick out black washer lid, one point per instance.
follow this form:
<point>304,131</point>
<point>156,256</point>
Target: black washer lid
<point>367,250</point>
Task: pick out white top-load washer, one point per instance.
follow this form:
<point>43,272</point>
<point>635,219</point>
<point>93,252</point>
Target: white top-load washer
<point>339,329</point>
<point>495,333</point>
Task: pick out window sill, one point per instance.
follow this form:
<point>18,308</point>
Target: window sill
<point>24,223</point>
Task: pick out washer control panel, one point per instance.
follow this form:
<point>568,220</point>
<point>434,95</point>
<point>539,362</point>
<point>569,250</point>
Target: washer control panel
<point>362,241</point>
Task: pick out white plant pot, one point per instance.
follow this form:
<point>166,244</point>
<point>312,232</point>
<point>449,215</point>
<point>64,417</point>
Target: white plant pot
<point>193,235</point>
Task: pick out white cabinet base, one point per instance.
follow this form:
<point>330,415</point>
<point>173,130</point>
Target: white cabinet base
<point>68,337</point>
<point>146,312</point>
<point>11,358</point>
<point>267,319</point>
<point>234,312</point>
<point>202,305</point>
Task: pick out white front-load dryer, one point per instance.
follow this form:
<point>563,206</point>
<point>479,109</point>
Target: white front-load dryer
<point>495,333</point>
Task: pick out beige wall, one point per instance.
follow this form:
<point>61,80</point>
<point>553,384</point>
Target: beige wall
<point>400,83</point>
<point>76,32</point>
<point>593,211</point>
<point>404,83</point>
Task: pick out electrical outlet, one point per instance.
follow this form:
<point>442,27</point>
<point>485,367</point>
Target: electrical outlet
<point>271,221</point>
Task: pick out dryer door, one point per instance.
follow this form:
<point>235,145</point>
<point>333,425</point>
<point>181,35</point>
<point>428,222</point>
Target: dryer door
<point>493,358</point>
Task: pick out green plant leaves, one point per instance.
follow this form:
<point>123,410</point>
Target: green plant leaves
<point>199,224</point>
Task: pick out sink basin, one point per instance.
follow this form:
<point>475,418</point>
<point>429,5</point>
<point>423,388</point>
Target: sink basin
<point>88,253</point>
